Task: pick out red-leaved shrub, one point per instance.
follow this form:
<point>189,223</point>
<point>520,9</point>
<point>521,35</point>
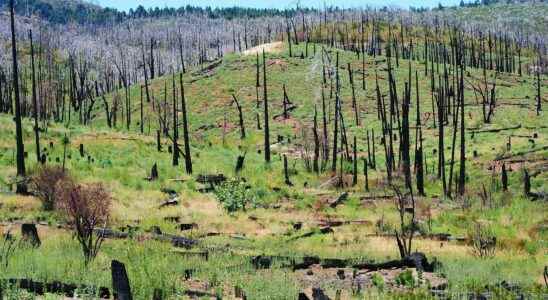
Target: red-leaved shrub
<point>87,207</point>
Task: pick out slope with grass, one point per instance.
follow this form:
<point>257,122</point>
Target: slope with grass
<point>122,159</point>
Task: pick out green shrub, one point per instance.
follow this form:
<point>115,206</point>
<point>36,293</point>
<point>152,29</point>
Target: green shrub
<point>235,196</point>
<point>406,278</point>
<point>378,281</point>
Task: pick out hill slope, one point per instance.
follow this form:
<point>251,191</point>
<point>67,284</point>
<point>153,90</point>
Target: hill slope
<point>122,159</point>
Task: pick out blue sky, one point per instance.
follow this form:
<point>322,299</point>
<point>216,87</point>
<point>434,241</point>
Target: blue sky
<point>127,4</point>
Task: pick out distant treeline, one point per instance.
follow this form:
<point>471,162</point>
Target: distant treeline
<point>78,11</point>
<point>67,11</point>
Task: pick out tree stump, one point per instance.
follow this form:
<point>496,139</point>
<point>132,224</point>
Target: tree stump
<point>154,172</point>
<point>120,281</point>
<point>158,294</point>
<point>30,235</point>
<point>81,149</point>
<point>240,163</point>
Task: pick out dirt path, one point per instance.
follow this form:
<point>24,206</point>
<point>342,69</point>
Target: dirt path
<point>275,47</point>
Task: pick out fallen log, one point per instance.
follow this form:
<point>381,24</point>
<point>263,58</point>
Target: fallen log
<point>322,230</point>
<point>336,202</point>
<point>521,153</point>
<point>176,241</point>
<point>416,260</point>
<point>55,287</point>
<point>170,202</point>
<point>202,254</point>
<point>495,129</point>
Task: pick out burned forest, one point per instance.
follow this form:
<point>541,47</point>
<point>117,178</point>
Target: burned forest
<point>298,153</point>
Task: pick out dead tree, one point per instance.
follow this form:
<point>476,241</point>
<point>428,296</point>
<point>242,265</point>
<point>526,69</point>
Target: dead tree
<point>419,169</point>
<point>504,178</point>
<point>21,186</point>
<point>325,156</point>
<point>405,144</point>
<point>354,103</point>
<point>241,116</point>
<point>266,121</point>
<point>462,170</point>
<point>355,163</point>
<point>404,236</point>
<point>336,120</point>
<point>175,126</point>
<point>257,85</point>
<point>142,124</point>
<point>34,100</point>
<point>539,97</point>
<point>188,158</point>
<point>286,172</point>
<point>315,164</point>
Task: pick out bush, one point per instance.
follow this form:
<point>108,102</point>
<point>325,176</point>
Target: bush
<point>378,281</point>
<point>87,207</point>
<point>484,240</point>
<point>43,183</point>
<point>406,278</point>
<point>234,195</point>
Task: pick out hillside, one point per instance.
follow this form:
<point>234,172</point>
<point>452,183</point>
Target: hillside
<point>122,159</point>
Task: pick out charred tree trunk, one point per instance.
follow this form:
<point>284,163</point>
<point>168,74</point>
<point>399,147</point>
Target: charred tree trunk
<point>257,85</point>
<point>315,164</point>
<point>539,97</point>
<point>175,125</point>
<point>504,178</point>
<point>286,172</point>
<point>336,120</point>
<point>405,144</point>
<point>355,163</point>
<point>21,187</point>
<point>266,120</point>
<point>241,117</point>
<point>34,100</point>
<point>188,158</point>
<point>462,170</point>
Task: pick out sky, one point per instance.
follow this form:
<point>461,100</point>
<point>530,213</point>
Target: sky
<point>127,4</point>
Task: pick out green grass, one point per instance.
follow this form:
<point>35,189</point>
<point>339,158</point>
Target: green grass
<point>122,159</point>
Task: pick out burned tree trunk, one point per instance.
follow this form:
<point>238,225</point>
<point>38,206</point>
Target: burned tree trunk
<point>257,85</point>
<point>366,174</point>
<point>188,158</point>
<point>462,170</point>
<point>539,97</point>
<point>21,186</point>
<point>142,124</point>
<point>405,144</point>
<point>175,126</point>
<point>286,172</point>
<point>241,117</point>
<point>336,120</point>
<point>504,178</point>
<point>315,164</point>
<point>355,163</point>
<point>34,100</point>
<point>354,103</point>
<point>266,121</point>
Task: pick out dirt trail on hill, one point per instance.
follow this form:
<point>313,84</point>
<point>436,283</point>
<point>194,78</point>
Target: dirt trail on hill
<point>275,47</point>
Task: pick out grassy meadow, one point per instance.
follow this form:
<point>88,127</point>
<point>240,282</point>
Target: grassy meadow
<point>122,159</point>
